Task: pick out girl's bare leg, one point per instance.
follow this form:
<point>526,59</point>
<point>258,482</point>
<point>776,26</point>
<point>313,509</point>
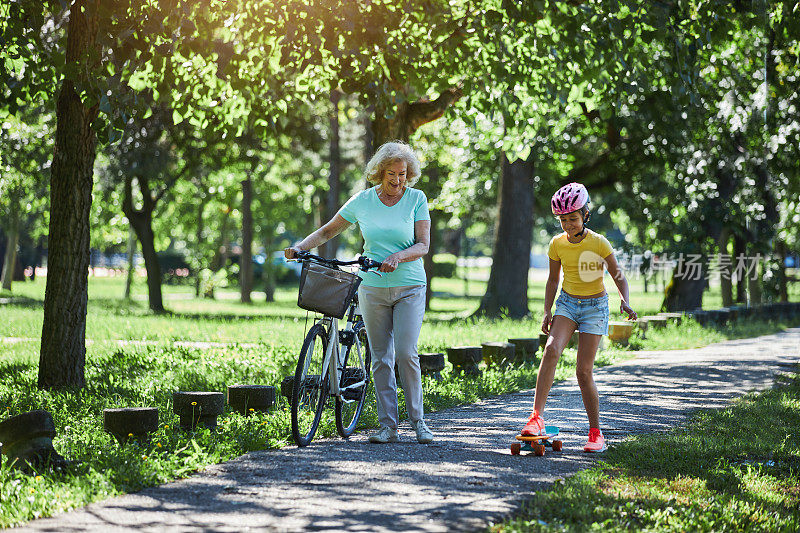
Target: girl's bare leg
<point>587,350</point>
<point>561,330</point>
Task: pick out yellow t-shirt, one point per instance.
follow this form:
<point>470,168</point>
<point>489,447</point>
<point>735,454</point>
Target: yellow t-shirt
<point>583,263</point>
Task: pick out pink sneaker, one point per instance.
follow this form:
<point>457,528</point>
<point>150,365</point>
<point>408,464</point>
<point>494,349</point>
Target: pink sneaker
<point>597,443</point>
<point>535,425</point>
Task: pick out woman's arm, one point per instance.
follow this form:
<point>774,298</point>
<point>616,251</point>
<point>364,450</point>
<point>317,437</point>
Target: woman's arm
<point>550,294</point>
<point>422,236</point>
<point>327,232</point>
<point>622,286</point>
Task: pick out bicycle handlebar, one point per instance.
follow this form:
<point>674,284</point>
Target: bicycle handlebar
<point>364,263</point>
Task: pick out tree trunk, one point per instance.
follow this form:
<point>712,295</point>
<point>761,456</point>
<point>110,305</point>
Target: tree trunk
<point>334,176</point>
<point>754,286</point>
<point>63,349</point>
<point>783,292</point>
<point>369,135</point>
<point>684,294</point>
<point>143,225</point>
<point>141,221</point>
<point>465,224</point>
<point>741,283</point>
<point>409,117</point>
<point>199,243</point>
<point>269,268</point>
<point>131,261</point>
<point>685,290</point>
<point>726,285</point>
<point>428,258</point>
<point>223,246</point>
<point>37,258</point>
<point>369,151</point>
<point>507,290</point>
<point>19,270</point>
<point>317,216</point>
<point>434,173</point>
<point>3,246</point>
<point>10,259</point>
<point>764,228</point>
<point>246,257</point>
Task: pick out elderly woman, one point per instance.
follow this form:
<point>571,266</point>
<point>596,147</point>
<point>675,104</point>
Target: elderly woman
<point>396,227</point>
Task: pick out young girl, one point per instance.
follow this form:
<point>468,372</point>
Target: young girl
<point>583,305</point>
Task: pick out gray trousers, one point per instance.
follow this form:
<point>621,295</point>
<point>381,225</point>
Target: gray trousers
<point>393,318</point>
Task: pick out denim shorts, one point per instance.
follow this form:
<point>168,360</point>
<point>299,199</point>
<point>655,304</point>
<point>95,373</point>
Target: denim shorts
<point>591,314</point>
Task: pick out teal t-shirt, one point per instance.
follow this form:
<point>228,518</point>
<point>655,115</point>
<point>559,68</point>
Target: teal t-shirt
<point>387,230</point>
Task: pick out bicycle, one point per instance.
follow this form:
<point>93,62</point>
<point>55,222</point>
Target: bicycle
<point>315,378</point>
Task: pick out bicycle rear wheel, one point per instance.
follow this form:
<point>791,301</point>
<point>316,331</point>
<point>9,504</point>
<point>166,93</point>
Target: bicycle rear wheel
<point>310,387</point>
<point>357,360</point>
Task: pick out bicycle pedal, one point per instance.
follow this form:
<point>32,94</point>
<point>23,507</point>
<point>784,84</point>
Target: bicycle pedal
<point>352,375</point>
<point>352,394</point>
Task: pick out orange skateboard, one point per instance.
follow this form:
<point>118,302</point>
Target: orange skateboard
<point>538,443</point>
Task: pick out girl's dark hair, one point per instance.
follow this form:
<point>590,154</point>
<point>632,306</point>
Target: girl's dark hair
<point>587,214</point>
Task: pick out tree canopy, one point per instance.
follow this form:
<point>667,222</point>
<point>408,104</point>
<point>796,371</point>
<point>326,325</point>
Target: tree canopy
<point>680,116</point>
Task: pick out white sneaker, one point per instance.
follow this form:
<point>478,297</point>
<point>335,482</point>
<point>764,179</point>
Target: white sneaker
<point>386,434</point>
<point>424,435</point>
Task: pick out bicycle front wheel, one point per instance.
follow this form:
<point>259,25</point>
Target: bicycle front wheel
<point>354,382</point>
<point>310,387</point>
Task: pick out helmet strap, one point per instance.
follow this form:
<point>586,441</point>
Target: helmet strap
<point>584,218</point>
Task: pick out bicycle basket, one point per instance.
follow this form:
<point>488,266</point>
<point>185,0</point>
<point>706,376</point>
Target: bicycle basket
<point>326,290</point>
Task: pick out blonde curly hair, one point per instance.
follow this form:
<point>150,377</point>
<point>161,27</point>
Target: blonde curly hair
<point>389,153</point>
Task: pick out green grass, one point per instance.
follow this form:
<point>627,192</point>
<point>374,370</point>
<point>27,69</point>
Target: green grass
<point>225,319</point>
<point>110,317</point>
<point>736,469</point>
<point>132,376</point>
<point>264,340</point>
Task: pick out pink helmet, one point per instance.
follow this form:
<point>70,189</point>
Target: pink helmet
<point>569,198</point>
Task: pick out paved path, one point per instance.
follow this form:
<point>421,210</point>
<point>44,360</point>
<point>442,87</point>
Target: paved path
<point>464,481</point>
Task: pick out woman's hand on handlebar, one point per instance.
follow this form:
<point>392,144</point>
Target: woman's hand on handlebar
<point>390,263</point>
<point>367,263</point>
<point>292,252</point>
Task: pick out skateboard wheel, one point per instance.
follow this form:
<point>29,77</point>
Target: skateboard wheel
<point>515,448</point>
<point>538,450</point>
<point>557,445</point>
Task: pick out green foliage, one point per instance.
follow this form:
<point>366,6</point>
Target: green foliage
<point>25,150</point>
<point>461,171</point>
<point>201,60</point>
<point>705,147</point>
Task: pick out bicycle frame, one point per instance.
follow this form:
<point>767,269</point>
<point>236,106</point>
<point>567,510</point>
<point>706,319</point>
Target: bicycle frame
<point>333,353</point>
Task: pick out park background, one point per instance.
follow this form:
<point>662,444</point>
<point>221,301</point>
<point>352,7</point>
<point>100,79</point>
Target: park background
<point>196,139</point>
